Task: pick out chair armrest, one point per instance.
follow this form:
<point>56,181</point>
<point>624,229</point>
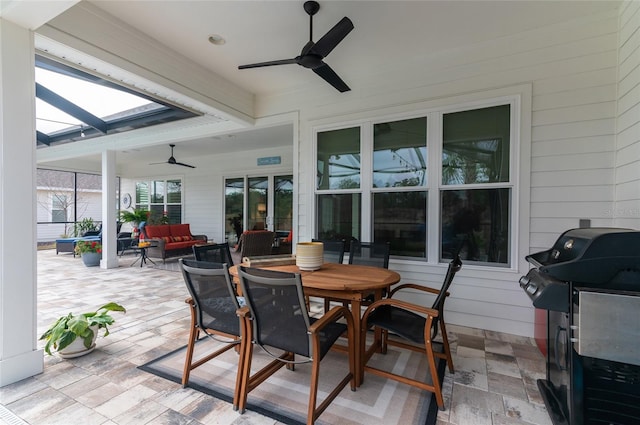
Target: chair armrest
<point>200,237</point>
<point>400,304</point>
<point>414,286</point>
<point>331,316</point>
<point>244,312</point>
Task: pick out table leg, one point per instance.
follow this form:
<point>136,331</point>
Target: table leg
<point>358,344</point>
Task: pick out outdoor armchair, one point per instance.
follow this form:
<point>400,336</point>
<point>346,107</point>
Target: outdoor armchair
<point>415,327</point>
<point>213,306</point>
<point>215,253</point>
<point>276,319</point>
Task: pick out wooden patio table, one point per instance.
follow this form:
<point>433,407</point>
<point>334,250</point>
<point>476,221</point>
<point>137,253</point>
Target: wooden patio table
<point>346,282</point>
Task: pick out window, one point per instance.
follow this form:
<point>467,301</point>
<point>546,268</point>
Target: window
<point>476,190</point>
<point>162,198</point>
<point>375,182</point>
<point>233,208</point>
<point>59,208</point>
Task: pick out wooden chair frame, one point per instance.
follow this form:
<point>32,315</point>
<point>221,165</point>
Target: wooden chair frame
<point>433,320</point>
<point>250,382</point>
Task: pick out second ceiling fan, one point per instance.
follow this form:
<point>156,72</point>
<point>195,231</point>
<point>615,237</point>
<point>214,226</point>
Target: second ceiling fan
<point>313,54</point>
<point>172,160</point>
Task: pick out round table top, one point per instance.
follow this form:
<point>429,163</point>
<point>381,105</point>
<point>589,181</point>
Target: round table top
<point>339,277</point>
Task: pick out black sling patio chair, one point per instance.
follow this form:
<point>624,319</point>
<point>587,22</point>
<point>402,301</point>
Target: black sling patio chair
<point>374,254</point>
<point>213,305</point>
<point>214,253</point>
<point>276,319</point>
<point>415,327</point>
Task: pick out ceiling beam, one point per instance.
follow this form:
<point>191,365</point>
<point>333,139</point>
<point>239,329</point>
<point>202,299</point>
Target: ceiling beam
<point>70,108</point>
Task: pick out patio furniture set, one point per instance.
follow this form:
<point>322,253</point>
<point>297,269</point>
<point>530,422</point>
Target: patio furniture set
<point>248,306</point>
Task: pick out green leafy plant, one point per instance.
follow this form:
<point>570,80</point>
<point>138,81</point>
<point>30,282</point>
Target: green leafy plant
<point>135,216</point>
<point>83,226</point>
<point>67,328</point>
<point>88,246</point>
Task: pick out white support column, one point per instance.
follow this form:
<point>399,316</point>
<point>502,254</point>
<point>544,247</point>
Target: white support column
<point>109,218</point>
<point>19,356</point>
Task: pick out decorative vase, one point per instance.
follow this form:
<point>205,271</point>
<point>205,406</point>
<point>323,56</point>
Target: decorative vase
<point>91,259</point>
<point>77,348</point>
<point>309,255</point>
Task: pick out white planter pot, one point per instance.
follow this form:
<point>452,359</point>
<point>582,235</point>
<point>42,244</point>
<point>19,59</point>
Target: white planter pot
<point>309,255</point>
<point>77,348</point>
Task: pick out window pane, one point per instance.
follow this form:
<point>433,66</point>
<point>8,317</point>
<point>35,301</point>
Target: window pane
<point>400,153</point>
<point>174,191</point>
<point>257,202</point>
<point>157,193</point>
<point>157,212</point>
<point>401,219</point>
<point>233,199</point>
<point>476,222</point>
<point>283,203</point>
<point>339,216</point>
<point>174,213</point>
<point>142,194</point>
<point>339,159</point>
<point>476,146</point>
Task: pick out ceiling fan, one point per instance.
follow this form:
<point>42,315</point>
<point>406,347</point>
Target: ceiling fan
<point>312,54</point>
<point>172,160</point>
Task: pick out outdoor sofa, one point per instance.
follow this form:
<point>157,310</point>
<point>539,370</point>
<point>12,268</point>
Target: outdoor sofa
<point>170,240</point>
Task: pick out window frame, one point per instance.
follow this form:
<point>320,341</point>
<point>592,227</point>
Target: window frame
<point>151,185</point>
<point>434,184</point>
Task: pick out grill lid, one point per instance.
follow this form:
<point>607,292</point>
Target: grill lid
<point>591,256</point>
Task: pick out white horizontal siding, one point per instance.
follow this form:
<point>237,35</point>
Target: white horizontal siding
<point>573,72</point>
<point>627,160</point>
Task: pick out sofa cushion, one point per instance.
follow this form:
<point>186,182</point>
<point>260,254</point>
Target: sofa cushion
<point>179,245</point>
<point>181,238</point>
<point>158,231</point>
<point>179,230</point>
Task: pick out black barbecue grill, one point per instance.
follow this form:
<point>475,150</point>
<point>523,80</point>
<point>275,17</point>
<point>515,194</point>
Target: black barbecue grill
<point>589,283</point>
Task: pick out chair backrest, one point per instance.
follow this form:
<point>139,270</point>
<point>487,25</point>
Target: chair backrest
<point>438,304</point>
<point>257,243</point>
<point>333,251</point>
<point>374,254</point>
<point>209,285</point>
<point>278,310</point>
<point>213,253</point>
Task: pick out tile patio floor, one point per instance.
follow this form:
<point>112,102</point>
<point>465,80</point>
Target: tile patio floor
<point>494,383</point>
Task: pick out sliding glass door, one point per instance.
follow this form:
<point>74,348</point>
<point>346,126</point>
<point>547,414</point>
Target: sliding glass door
<point>257,203</point>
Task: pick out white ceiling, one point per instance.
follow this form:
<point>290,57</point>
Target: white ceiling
<point>388,35</point>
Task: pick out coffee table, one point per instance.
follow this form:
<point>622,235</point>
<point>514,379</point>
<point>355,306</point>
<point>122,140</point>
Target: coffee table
<point>143,253</point>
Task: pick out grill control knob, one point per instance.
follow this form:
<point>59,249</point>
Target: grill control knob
<point>530,287</point>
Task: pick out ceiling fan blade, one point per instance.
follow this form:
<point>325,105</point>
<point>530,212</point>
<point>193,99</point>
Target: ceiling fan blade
<point>333,37</point>
<point>184,165</point>
<point>158,163</point>
<point>270,63</point>
<point>331,77</point>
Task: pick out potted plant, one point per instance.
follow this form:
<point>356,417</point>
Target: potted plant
<point>134,217</point>
<point>85,225</point>
<point>90,251</point>
<point>74,335</point>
